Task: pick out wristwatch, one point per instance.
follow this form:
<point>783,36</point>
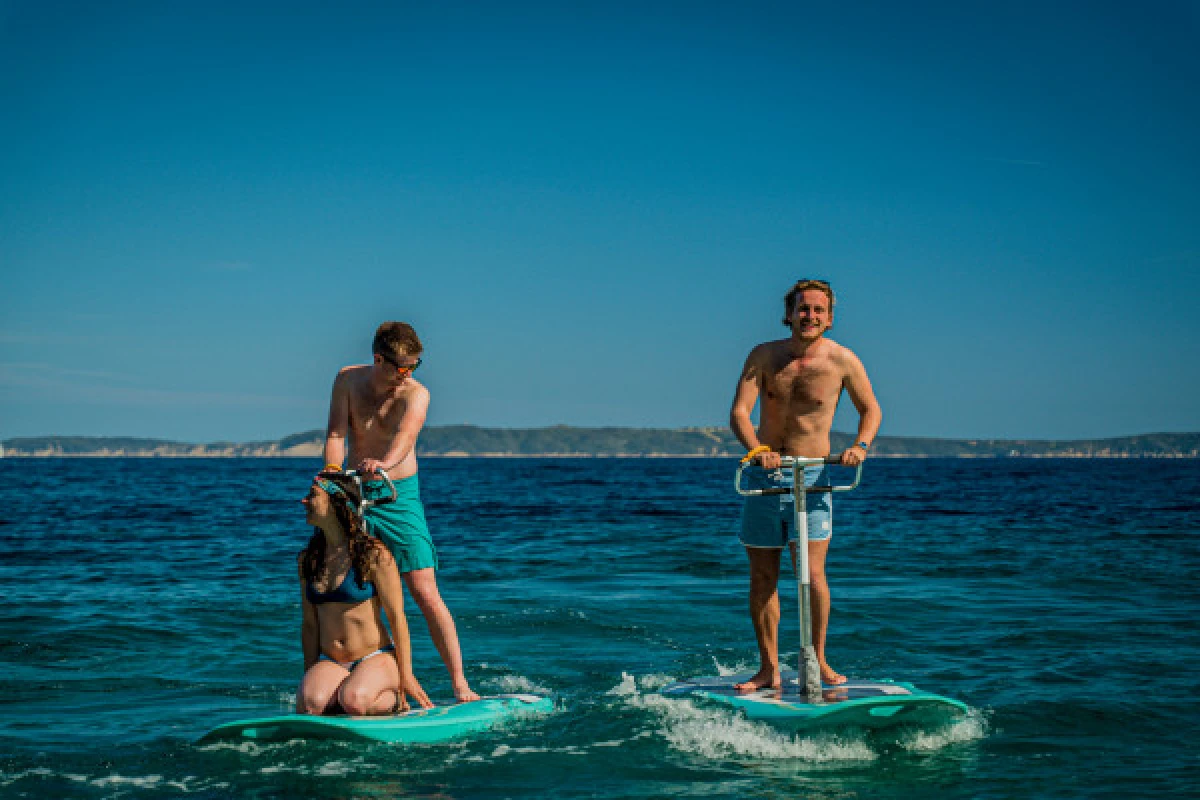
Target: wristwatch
<point>864,445</point>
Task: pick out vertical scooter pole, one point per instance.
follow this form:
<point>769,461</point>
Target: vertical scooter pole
<point>809,667</point>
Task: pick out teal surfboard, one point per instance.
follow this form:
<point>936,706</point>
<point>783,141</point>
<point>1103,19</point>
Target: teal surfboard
<point>412,727</point>
<point>862,704</point>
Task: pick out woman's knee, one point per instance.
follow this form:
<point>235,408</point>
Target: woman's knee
<point>313,700</point>
<point>357,701</point>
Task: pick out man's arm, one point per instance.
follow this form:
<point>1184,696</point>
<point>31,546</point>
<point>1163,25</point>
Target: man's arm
<point>339,421</point>
<point>406,434</point>
<point>744,398</point>
<point>870,415</point>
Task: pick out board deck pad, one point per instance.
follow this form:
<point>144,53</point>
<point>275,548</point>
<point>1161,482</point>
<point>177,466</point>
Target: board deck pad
<point>419,726</point>
<point>864,704</point>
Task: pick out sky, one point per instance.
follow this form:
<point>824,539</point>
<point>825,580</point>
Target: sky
<point>591,211</point>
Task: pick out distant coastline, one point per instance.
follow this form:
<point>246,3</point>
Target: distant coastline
<point>563,441</point>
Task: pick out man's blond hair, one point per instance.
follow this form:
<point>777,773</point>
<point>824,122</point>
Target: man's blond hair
<point>789,300</point>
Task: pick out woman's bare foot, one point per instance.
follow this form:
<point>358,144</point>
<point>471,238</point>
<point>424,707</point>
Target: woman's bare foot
<point>764,679</point>
<point>828,676</point>
<point>464,693</point>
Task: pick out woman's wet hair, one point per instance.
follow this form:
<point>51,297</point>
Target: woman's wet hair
<point>363,554</point>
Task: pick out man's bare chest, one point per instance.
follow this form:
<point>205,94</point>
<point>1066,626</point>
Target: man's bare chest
<point>368,412</point>
<point>805,383</point>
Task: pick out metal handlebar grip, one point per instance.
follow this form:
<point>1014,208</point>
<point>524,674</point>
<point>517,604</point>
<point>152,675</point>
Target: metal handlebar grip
<point>357,477</point>
<point>797,463</point>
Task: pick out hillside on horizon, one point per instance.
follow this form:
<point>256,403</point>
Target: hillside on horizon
<point>565,440</point>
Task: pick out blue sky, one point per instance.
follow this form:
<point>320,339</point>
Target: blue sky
<point>591,212</point>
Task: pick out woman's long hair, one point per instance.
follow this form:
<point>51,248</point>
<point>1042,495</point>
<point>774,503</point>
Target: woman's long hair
<point>362,547</point>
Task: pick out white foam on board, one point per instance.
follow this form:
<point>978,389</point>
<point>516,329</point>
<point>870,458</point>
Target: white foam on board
<point>967,729</point>
<point>719,733</point>
<point>515,684</point>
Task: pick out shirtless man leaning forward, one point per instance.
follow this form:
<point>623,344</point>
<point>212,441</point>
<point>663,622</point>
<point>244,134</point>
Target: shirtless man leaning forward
<point>799,380</point>
<point>381,409</point>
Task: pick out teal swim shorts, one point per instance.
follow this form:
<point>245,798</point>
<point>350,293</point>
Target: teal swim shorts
<point>401,524</point>
<point>768,520</point>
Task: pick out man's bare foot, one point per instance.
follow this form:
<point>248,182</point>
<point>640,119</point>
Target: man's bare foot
<point>828,676</point>
<point>465,694</point>
<point>764,679</point>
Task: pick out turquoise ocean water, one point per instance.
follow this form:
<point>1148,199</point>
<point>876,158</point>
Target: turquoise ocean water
<point>145,601</point>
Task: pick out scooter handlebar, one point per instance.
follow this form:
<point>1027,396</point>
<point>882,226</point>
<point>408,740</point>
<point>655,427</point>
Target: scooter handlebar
<point>797,462</point>
<point>358,477</point>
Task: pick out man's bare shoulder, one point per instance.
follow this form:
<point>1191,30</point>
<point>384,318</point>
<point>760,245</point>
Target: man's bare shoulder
<point>841,355</point>
<point>767,351</point>
<point>352,378</point>
<point>413,390</point>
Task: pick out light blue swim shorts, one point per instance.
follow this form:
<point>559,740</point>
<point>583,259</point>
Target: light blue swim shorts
<point>767,521</point>
<point>401,525</point>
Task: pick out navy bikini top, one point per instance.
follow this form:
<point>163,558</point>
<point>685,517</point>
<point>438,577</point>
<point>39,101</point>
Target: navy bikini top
<point>346,592</point>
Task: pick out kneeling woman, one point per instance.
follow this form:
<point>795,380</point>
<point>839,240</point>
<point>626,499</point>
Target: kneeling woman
<point>348,581</point>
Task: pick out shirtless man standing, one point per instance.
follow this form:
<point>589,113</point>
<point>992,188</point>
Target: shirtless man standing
<point>800,380</point>
<point>381,409</point>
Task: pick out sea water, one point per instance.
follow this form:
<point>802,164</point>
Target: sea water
<point>146,600</point>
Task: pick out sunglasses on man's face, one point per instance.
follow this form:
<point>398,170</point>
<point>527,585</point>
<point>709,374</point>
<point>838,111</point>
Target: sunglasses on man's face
<point>403,369</point>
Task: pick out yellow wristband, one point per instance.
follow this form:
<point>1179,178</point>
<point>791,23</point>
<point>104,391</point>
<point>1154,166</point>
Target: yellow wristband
<point>332,468</point>
<point>762,448</point>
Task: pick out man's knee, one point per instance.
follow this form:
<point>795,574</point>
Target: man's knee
<point>764,563</point>
<point>764,573</point>
<point>762,590</point>
<point>426,595</point>
<point>818,585</point>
